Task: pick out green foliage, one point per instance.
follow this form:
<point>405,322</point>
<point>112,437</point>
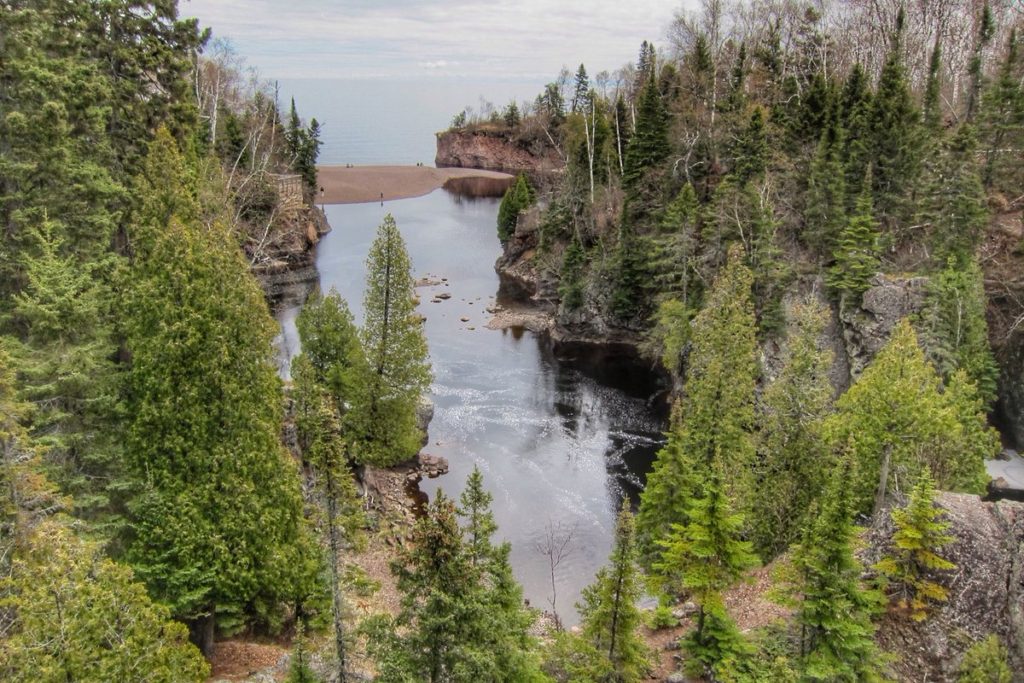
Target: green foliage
<point>711,427</point>
<point>825,212</point>
<point>300,671</point>
<point>571,282</point>
<point>581,91</point>
<point>896,420</point>
<point>632,262</point>
<point>609,612</point>
<point>855,255</point>
<point>66,371</point>
<point>668,338</point>
<point>751,149</point>
<point>674,249</point>
<point>78,616</point>
<point>1001,123</point>
<point>793,455</point>
<point>833,610</point>
<point>985,662</point>
<point>461,614</point>
<point>216,509</point>
<point>909,572</point>
<point>956,202</point>
<point>382,418</point>
<point>953,328</point>
<point>517,198</point>
<point>648,147</point>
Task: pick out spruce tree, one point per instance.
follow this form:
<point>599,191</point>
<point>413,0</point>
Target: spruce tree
<point>711,428</point>
<point>855,255</point>
<point>896,136</point>
<point>648,146</point>
<point>832,608</point>
<point>956,203</point>
<point>581,92</point>
<point>856,111</point>
<point>675,248</point>
<point>706,556</point>
<point>909,573</point>
<point>750,154</point>
<point>931,114</point>
<point>609,609</point>
<point>1001,123</point>
<point>215,513</point>
<point>382,420</point>
<point>793,456</point>
<point>825,212</point>
<point>517,198</point>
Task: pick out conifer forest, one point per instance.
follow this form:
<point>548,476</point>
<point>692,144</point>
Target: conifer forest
<point>805,216</point>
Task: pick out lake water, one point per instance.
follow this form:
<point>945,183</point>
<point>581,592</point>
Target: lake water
<point>560,439</point>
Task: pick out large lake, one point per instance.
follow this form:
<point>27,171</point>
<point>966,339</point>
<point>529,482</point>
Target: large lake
<point>560,439</point>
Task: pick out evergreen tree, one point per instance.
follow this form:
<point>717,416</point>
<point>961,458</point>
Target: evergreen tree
<point>383,415</point>
<point>956,202</point>
<point>985,662</point>
<point>855,255</point>
<point>751,149</point>
<point>308,154</point>
<point>216,509</point>
<point>517,198</point>
<point>711,428</point>
<point>857,107</point>
<point>581,92</point>
<point>793,456</point>
<point>78,616</point>
<point>648,146</point>
<point>66,371</point>
<point>1001,123</point>
<point>931,113</point>
<point>504,626</point>
<point>709,555</point>
<point>832,608</point>
<point>953,328</point>
<point>895,421</point>
<point>299,671</point>
<point>609,611</point>
<point>440,633</point>
<point>909,572</point>
<point>896,136</point>
<point>675,248</point>
<point>825,211</point>
<point>632,262</point>
<point>986,28</point>
<point>570,281</point>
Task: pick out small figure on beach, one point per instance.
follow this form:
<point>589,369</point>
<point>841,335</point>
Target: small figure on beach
<point>382,199</point>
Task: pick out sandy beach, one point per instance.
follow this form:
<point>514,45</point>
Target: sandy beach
<point>357,184</point>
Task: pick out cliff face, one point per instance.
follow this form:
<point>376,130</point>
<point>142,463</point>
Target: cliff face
<point>497,150</point>
<point>986,590</point>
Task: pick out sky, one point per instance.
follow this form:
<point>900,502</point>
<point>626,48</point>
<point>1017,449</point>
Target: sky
<point>499,39</point>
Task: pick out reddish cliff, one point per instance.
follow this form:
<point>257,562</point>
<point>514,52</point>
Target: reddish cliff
<point>497,149</point>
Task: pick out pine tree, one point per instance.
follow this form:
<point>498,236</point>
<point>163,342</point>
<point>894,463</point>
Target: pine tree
<point>931,114</point>
<point>517,198</point>
<point>856,111</point>
<point>216,511</point>
<point>909,573</point>
<point>716,413</point>
<point>956,202</point>
<point>986,29</point>
<point>383,416</point>
<point>78,616</point>
<point>793,456</point>
<point>632,262</point>
<point>895,421</point>
<point>707,555</point>
<point>832,608</point>
<point>855,255</point>
<point>609,611</point>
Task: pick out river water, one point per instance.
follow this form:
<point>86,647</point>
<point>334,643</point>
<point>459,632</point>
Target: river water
<point>560,439</point>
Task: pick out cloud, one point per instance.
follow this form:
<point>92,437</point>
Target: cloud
<point>394,38</point>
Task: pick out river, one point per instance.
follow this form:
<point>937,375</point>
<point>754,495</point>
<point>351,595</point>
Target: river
<point>560,439</point>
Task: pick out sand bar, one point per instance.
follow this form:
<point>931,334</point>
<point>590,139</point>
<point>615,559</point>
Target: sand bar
<point>357,184</point>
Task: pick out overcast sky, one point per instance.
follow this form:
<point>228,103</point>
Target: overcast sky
<point>520,39</point>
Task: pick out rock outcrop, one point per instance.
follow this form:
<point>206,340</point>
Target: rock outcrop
<point>497,149</point>
<point>986,590</point>
<point>867,327</point>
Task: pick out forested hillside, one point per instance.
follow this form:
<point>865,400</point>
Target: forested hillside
<point>787,182</point>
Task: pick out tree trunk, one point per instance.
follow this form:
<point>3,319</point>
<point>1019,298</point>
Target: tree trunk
<point>336,606</point>
<point>201,631</point>
<point>883,480</point>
